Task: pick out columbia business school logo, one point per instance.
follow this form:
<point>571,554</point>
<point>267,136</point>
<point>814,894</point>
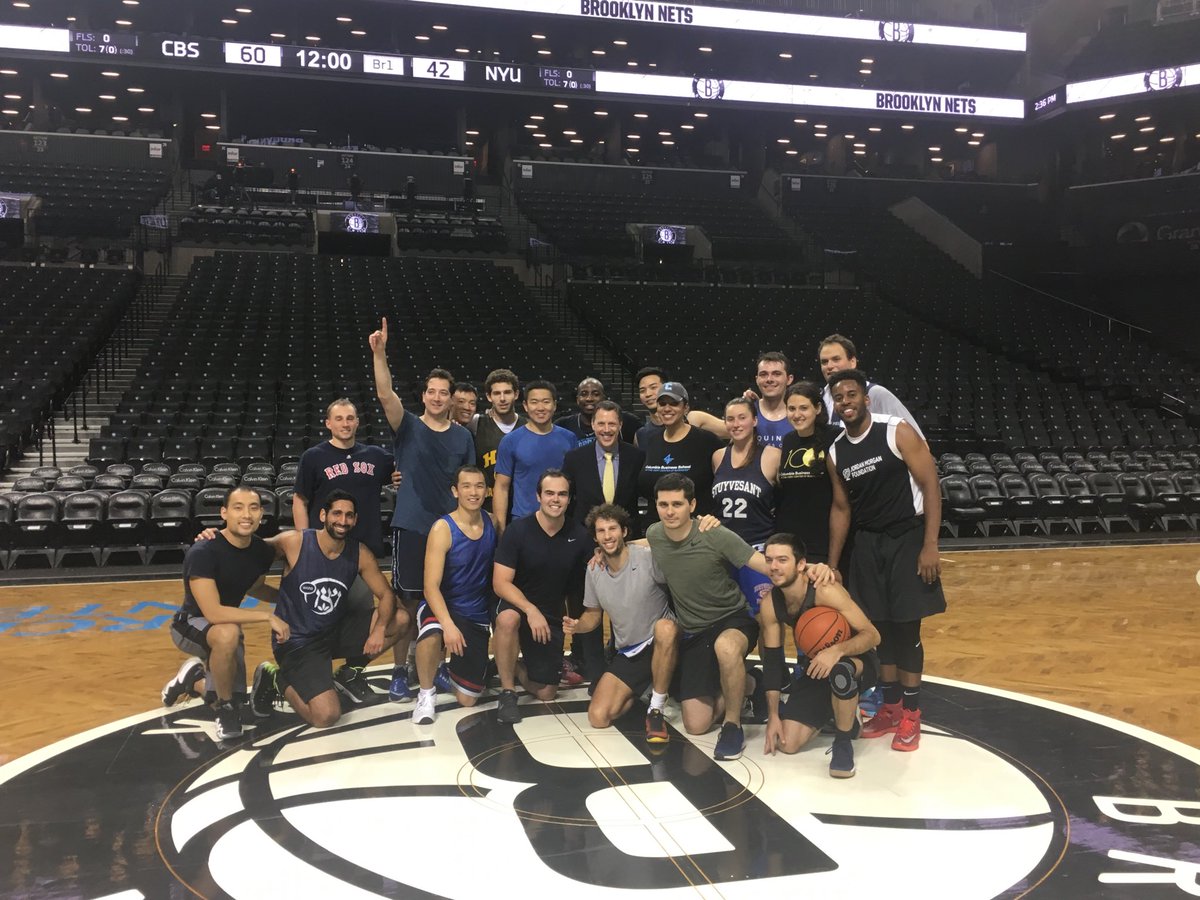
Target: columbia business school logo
<point>1008,797</point>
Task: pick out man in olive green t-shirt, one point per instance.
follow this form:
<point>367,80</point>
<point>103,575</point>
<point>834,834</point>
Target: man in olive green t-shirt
<point>714,629</point>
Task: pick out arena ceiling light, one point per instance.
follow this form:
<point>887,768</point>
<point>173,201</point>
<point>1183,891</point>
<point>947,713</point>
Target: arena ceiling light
<point>358,32</point>
<point>782,140</point>
<point>1107,116</point>
<point>543,53</point>
<point>792,152</point>
<point>1166,140</point>
<point>1146,129</point>
<point>345,20</point>
<point>875,129</point>
<point>561,106</point>
<point>785,56</point>
<point>1140,149</point>
<point>124,23</point>
<point>1142,119</point>
<point>688,127</point>
<point>700,115</point>
<point>864,71</point>
<point>860,152</point>
<point>229,21</point>
<point>537,118</point>
<point>908,127</point>
<point>973,143</point>
<point>1118,137</point>
<point>800,121</point>
<point>961,130</point>
<point>111,74</point>
<point>633,137</point>
<point>59,75</point>
<point>935,159</point>
<point>244,10</point>
<point>108,96</point>
<point>867,61</point>
<point>83,109</point>
<point>641,115</point>
<point>441,27</point>
<point>619,43</point>
<point>538,37</point>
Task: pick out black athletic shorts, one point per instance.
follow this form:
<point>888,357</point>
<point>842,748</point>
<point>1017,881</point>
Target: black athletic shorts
<point>810,701</point>
<point>884,579</point>
<point>408,563</point>
<point>697,671</point>
<point>543,662</point>
<point>633,671</point>
<point>309,667</point>
<point>469,671</point>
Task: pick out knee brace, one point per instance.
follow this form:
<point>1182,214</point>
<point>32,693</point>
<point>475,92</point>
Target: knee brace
<point>908,651</point>
<point>843,681</point>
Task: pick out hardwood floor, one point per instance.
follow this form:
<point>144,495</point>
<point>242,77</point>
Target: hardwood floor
<point>1113,630</point>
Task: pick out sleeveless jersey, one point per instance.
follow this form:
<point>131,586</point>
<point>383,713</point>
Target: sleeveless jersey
<point>744,499</point>
<point>771,433</point>
<point>781,610</point>
<point>467,576</point>
<point>487,444</point>
<point>882,491</point>
<point>311,595</point>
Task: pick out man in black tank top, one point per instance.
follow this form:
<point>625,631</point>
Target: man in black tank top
<point>885,481</point>
<point>314,602</point>
<point>829,683</point>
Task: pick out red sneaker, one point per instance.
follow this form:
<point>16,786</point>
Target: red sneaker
<point>569,677</point>
<point>886,721</point>
<point>908,734</point>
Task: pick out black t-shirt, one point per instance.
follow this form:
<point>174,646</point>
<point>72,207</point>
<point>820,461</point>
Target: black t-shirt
<point>691,456</point>
<point>548,569</point>
<point>582,429</point>
<point>235,570</point>
<point>804,493</point>
<point>360,471</point>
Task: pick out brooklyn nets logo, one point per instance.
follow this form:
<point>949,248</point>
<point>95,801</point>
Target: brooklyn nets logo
<point>355,225</point>
<point>708,88</point>
<point>1007,797</point>
<point>897,32</point>
<point>1163,79</point>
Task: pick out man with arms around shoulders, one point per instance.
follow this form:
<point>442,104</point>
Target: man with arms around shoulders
<point>538,578</point>
<point>714,628</point>
<point>218,574</point>
<point>631,589</point>
<point>526,452</point>
<point>885,483</point>
<point>321,566</point>
<point>456,612</point>
<point>501,389</point>
<point>428,451</point>
<point>827,684</point>
<point>772,377</point>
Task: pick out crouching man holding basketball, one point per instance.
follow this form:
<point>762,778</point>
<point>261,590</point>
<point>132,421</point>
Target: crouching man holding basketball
<point>830,675</point>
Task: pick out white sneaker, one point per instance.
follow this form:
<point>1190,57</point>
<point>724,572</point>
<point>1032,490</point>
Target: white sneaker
<point>426,710</point>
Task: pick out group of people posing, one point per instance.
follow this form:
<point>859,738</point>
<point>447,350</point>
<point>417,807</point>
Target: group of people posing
<point>701,538</point>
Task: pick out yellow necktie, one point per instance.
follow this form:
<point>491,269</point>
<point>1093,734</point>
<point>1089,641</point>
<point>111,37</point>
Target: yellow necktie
<point>608,484</point>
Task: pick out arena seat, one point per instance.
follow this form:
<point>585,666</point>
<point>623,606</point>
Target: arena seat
<point>38,529</point>
<point>82,518</point>
<point>124,530</point>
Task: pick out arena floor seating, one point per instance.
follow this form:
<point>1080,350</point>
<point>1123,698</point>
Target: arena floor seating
<point>55,321</point>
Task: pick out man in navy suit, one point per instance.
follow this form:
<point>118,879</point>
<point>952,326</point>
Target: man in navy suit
<point>604,472</point>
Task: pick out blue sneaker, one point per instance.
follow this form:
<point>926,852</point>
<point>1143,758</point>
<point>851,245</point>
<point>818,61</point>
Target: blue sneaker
<point>730,743</point>
<point>841,765</point>
<point>870,702</point>
<point>442,682</point>
<point>398,690</point>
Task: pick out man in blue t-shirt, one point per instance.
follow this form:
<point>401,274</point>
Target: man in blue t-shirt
<point>428,450</point>
<point>526,452</point>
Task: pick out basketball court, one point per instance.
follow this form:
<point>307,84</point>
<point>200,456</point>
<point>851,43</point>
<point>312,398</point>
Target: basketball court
<point>1058,760</point>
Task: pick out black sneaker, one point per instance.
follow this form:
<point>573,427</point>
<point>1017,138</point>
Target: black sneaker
<point>730,743</point>
<point>265,691</point>
<point>755,712</point>
<point>229,723</point>
<point>350,683</point>
<point>189,673</point>
<point>507,711</point>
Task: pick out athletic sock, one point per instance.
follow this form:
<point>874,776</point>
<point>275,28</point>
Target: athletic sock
<point>426,694</point>
<point>412,656</point>
<point>839,735</point>
<point>912,698</point>
<point>657,700</point>
<point>891,691</point>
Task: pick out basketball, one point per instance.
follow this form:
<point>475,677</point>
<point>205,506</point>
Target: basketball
<point>820,627</point>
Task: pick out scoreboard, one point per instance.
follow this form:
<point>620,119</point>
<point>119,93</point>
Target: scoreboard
<point>170,50</point>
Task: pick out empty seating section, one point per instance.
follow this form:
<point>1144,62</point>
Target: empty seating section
<point>55,321</point>
<point>593,224</point>
<point>92,201</point>
<point>1080,385</point>
<point>450,231</point>
<point>229,225</point>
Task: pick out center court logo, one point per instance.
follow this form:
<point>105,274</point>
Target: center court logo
<point>1007,797</point>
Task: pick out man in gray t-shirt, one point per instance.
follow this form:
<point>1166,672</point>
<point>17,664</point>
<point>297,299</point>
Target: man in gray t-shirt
<point>631,589</point>
<point>715,628</point>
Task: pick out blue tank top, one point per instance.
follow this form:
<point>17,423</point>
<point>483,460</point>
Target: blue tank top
<point>311,595</point>
<point>745,500</point>
<point>771,434</point>
<point>467,576</point>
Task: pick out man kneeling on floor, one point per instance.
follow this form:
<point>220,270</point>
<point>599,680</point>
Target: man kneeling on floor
<point>828,684</point>
<point>321,566</point>
<point>631,589</point>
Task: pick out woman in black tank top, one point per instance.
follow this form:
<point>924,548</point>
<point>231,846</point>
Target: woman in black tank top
<point>804,492</point>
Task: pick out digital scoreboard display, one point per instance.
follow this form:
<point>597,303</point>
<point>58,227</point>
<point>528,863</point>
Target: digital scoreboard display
<point>104,43</point>
<point>561,78</point>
